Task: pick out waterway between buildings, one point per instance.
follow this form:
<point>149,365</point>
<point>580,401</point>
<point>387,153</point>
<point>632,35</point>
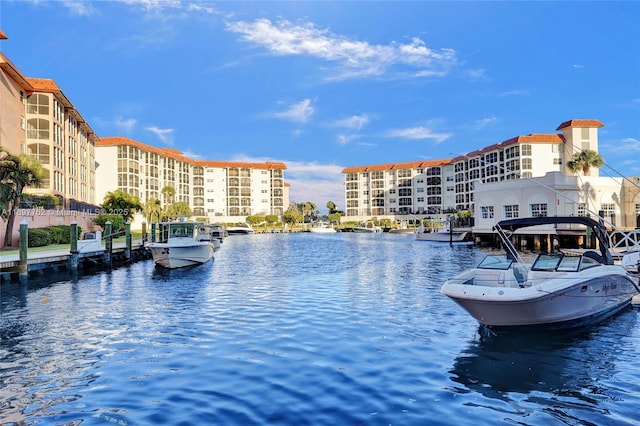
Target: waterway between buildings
<point>298,329</point>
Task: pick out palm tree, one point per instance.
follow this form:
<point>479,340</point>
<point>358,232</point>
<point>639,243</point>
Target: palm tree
<point>584,160</point>
<point>6,188</point>
<point>307,209</point>
<point>331,206</point>
<point>168,192</point>
<point>17,174</point>
<point>121,203</point>
<point>152,209</point>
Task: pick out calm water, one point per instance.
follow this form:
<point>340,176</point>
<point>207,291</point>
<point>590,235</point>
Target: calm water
<point>299,329</point>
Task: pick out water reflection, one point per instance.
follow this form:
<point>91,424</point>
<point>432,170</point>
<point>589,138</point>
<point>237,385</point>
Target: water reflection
<point>564,369</point>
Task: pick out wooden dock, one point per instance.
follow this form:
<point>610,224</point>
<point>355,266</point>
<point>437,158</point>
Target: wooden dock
<point>39,263</point>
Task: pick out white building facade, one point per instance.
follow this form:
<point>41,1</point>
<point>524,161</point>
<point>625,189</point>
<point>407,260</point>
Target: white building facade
<point>515,178</point>
<point>221,191</point>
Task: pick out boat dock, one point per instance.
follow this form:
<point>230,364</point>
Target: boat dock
<point>41,262</point>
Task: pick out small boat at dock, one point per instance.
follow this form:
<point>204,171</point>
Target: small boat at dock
<point>241,229</point>
<point>181,244</point>
<point>443,235</point>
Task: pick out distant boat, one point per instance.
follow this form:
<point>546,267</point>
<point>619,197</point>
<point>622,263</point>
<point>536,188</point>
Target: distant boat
<point>402,229</point>
<point>181,244</point>
<point>217,231</point>
<point>322,228</point>
<point>367,228</point>
<point>442,235</point>
<point>241,229</point>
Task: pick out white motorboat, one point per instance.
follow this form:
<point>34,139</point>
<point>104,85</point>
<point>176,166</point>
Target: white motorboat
<point>181,244</point>
<point>442,235</point>
<point>322,228</point>
<point>368,227</point>
<point>240,229</point>
<point>558,290</point>
<point>403,228</point>
<point>217,231</point>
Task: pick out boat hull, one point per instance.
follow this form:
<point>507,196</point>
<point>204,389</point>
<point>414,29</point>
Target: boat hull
<point>322,230</point>
<point>560,303</point>
<point>442,237</point>
<point>172,256</point>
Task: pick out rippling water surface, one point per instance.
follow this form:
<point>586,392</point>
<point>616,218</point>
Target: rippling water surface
<point>299,329</point>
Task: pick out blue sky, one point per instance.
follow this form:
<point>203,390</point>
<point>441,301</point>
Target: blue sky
<point>325,85</point>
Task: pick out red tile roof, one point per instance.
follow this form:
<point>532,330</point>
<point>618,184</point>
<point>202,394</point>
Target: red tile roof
<point>178,155</point>
<point>43,85</point>
<point>396,166</point>
<point>3,36</point>
<point>581,123</point>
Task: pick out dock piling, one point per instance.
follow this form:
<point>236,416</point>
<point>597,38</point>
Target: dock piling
<point>108,245</point>
<point>127,251</point>
<point>73,259</point>
<point>23,266</point>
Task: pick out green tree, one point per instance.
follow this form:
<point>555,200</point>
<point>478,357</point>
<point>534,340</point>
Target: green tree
<point>335,217</point>
<point>6,186</point>
<point>331,206</point>
<point>293,214</point>
<point>255,220</point>
<point>271,219</point>
<point>178,209</point>
<point>18,173</point>
<point>168,192</point>
<point>584,160</point>
<point>117,221</point>
<point>308,211</point>
<point>121,203</point>
<point>152,209</point>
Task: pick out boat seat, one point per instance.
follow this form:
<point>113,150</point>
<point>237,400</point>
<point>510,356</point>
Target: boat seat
<point>520,272</point>
<point>593,255</point>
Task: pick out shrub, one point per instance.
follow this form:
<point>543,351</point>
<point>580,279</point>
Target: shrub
<point>38,237</point>
<point>61,234</point>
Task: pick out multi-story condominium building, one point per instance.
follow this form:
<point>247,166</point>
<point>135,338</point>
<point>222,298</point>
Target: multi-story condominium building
<point>222,191</point>
<point>38,120</point>
<point>434,188</point>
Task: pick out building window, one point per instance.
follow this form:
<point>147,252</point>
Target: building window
<point>538,210</point>
<point>511,211</point>
<point>527,164</point>
<point>557,161</point>
<point>608,209</point>
<point>487,212</point>
<point>582,209</point>
<point>525,150</point>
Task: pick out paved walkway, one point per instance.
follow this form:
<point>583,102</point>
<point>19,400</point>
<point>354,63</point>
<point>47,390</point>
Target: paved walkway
<point>34,255</point>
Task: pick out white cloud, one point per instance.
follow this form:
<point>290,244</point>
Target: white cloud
<point>80,8</point>
<point>520,92</point>
<point>354,122</point>
<point>310,181</point>
<point>419,133</point>
<point>299,113</point>
<point>353,58</point>
<point>345,139</point>
<point>625,146</point>
<point>484,122</point>
<point>165,135</point>
<point>125,125</point>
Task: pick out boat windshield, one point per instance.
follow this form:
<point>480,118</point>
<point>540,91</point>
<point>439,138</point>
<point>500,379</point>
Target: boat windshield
<point>182,230</point>
<point>495,262</point>
<point>547,262</point>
